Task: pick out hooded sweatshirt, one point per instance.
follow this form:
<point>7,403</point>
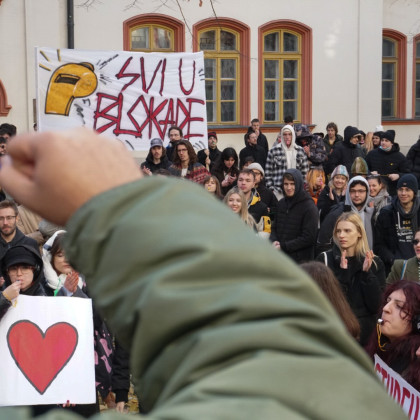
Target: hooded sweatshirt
<point>365,212</point>
<point>296,222</point>
<point>289,151</point>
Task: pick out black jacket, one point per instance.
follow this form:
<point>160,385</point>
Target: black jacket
<point>257,152</point>
<point>261,140</point>
<point>165,163</point>
<point>413,157</point>
<point>214,154</point>
<point>325,204</point>
<point>362,289</point>
<point>296,222</point>
<point>385,163</point>
<point>390,244</point>
<point>343,154</point>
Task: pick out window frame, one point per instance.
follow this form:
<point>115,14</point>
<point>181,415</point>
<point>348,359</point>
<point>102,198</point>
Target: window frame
<point>304,34</point>
<point>156,20</point>
<point>241,54</point>
<point>401,71</point>
<point>416,60</point>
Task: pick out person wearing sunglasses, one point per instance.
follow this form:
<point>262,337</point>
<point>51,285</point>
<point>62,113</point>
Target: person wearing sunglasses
<point>407,269</point>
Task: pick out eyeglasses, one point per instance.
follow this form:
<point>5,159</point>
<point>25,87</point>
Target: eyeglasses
<point>416,241</point>
<point>358,191</point>
<point>24,269</point>
<point>8,218</point>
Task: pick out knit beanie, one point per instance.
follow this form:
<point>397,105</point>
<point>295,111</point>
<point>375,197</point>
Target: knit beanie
<point>340,170</point>
<point>389,135</point>
<point>257,167</point>
<point>409,181</point>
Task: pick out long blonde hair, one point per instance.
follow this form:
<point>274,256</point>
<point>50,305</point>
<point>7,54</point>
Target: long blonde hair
<point>362,245</point>
<point>368,146</point>
<point>243,212</point>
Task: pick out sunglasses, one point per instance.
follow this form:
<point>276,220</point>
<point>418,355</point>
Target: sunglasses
<point>416,241</point>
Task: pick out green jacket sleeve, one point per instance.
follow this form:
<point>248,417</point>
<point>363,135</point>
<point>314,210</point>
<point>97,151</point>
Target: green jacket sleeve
<point>219,324</point>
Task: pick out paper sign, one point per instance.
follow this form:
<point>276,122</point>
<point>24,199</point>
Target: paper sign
<point>399,389</point>
<point>129,95</point>
<point>47,352</point>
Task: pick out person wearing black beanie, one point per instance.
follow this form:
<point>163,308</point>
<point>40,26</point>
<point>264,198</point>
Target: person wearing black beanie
<point>397,223</point>
<point>388,162</point>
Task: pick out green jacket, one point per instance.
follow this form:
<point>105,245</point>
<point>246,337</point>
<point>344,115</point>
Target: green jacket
<point>411,271</point>
<point>220,324</point>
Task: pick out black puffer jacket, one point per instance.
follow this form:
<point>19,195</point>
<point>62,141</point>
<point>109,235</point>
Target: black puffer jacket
<point>385,163</point>
<point>362,289</point>
<point>343,154</point>
<point>296,222</point>
<point>413,157</point>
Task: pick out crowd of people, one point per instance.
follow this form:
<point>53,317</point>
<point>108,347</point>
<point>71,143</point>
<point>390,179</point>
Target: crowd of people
<point>345,208</point>
<point>348,201</point>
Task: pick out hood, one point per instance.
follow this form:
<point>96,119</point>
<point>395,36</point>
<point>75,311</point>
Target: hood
<point>348,201</point>
<point>297,176</point>
<point>53,280</point>
<point>292,144</point>
<point>38,273</point>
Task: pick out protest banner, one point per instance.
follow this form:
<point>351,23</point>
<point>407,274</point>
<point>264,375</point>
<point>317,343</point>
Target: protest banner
<point>47,352</point>
<point>399,389</point>
<point>133,96</point>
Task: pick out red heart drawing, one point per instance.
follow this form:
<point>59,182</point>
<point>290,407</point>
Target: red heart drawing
<point>41,357</point>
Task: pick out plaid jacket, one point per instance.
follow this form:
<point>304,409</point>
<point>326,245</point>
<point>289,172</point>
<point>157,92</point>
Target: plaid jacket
<point>196,172</point>
<point>276,166</point>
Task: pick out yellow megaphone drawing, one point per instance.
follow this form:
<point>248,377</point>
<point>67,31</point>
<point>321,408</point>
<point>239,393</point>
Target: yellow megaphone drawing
<point>68,82</point>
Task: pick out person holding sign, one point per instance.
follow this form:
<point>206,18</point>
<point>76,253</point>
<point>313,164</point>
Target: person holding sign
<point>22,271</point>
<point>398,331</point>
<point>207,337</point>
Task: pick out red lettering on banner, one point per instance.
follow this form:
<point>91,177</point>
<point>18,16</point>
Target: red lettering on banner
<point>397,391</point>
<point>143,75</point>
<point>121,74</point>
<point>184,115</point>
<point>181,85</point>
<point>103,113</point>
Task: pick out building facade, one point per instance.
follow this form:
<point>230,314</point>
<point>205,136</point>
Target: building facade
<point>354,62</point>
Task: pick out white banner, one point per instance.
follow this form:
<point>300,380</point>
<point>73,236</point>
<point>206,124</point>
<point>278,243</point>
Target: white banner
<point>399,389</point>
<point>46,352</point>
<point>129,95</point>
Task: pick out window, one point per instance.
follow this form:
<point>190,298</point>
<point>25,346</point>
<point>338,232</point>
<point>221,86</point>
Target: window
<point>285,72</point>
<point>417,77</point>
<point>393,75</point>
<point>153,32</point>
<point>226,68</point>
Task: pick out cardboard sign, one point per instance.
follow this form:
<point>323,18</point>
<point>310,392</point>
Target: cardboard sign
<point>47,352</point>
<point>129,95</point>
<point>399,389</point>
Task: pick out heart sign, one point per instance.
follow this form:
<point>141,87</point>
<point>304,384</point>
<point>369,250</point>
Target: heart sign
<point>41,356</point>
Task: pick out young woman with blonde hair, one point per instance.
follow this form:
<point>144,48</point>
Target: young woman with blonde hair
<point>235,199</point>
<point>360,273</point>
